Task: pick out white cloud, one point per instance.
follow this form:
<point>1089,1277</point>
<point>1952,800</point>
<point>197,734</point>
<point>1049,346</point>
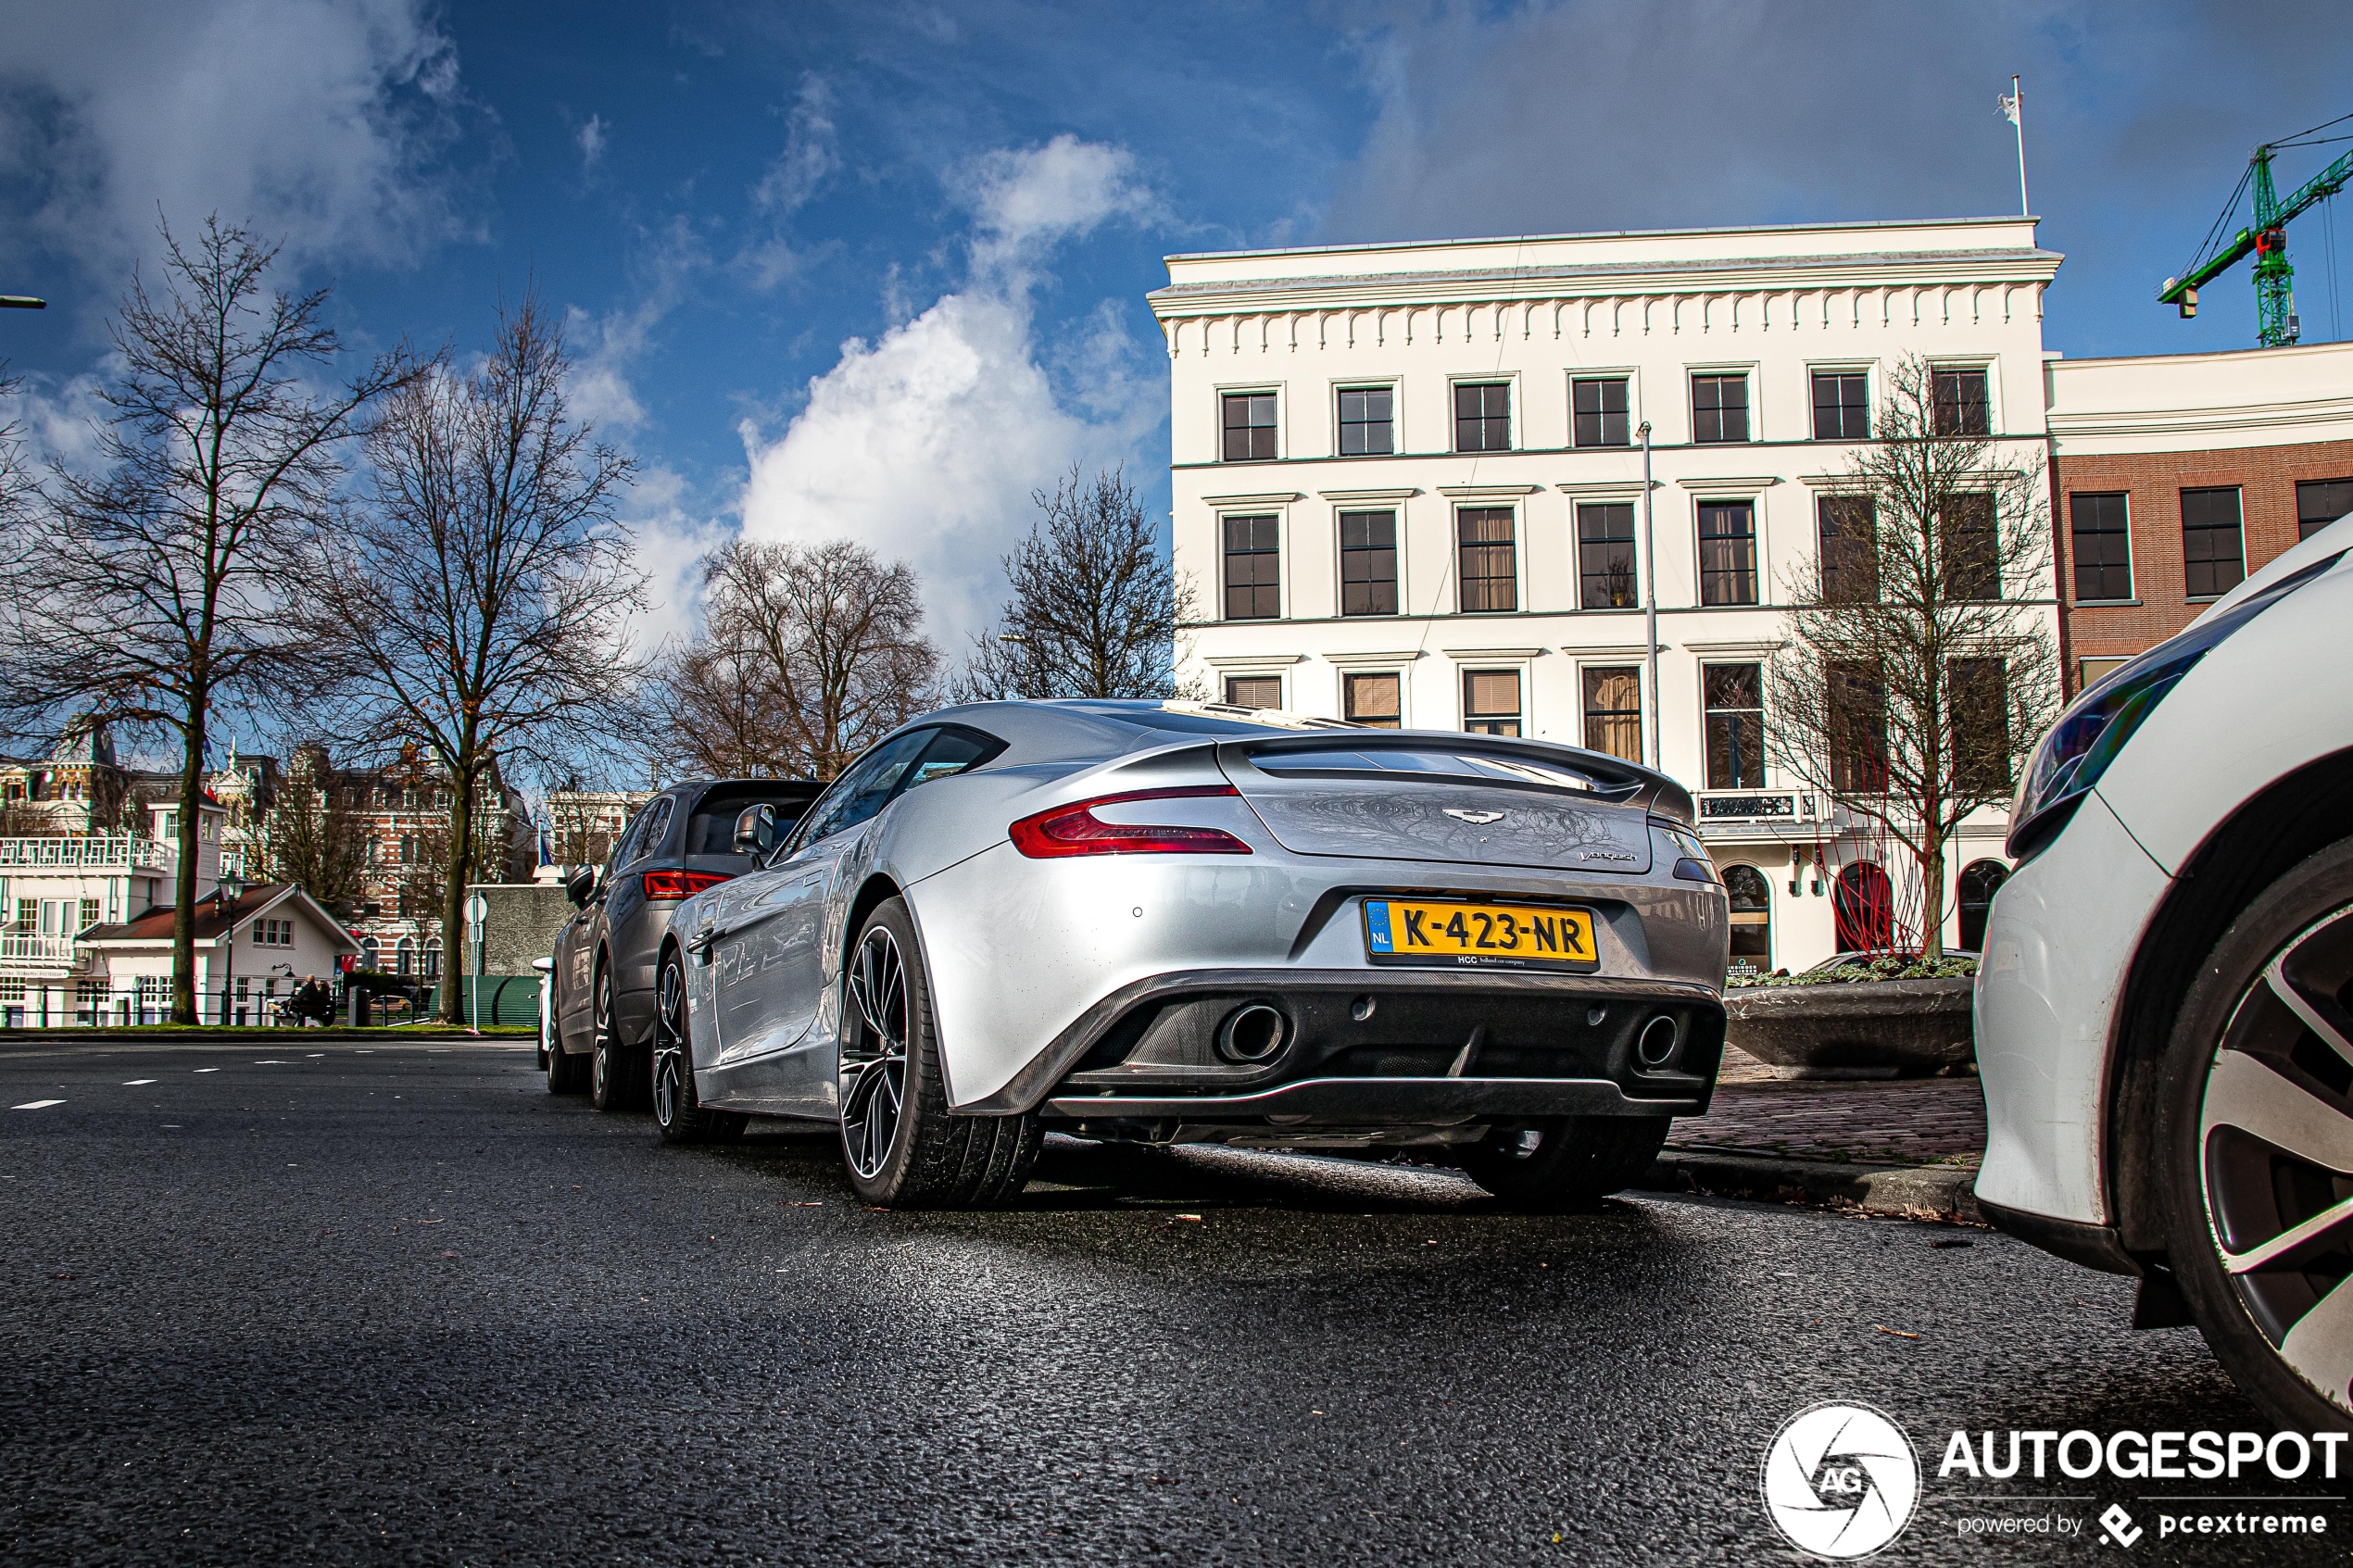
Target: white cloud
<point>809,156</point>
<point>591,138</point>
<point>672,533</point>
<point>926,443</point>
<point>606,347</point>
<point>321,121</point>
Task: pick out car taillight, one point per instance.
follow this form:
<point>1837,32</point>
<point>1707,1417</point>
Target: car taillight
<point>680,885</point>
<point>1076,830</point>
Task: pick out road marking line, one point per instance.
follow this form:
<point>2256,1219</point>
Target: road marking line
<point>134,1083</point>
<point>36,1104</point>
<point>208,1070</point>
<point>272,1062</point>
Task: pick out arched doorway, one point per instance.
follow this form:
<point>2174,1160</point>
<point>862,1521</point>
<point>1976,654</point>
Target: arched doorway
<point>1752,917</point>
<point>1980,880</point>
<point>1863,904</point>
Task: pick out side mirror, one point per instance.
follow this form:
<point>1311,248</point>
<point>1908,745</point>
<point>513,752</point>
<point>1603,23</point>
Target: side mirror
<point>580,886</point>
<point>756,832</point>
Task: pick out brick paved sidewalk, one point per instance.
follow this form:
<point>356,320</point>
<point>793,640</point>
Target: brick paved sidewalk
<point>1892,1121</point>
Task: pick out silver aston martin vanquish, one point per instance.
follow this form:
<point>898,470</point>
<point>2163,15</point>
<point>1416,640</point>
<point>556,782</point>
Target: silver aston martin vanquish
<point>1184,923</point>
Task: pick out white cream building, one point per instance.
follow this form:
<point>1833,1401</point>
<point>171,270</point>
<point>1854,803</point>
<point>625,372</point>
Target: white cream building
<point>1390,509</point>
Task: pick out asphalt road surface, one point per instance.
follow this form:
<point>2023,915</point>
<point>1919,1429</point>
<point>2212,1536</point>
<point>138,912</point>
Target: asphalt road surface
<point>399,1305</point>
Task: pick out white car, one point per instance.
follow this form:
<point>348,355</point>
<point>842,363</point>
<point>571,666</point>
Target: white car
<point>2165,1003</point>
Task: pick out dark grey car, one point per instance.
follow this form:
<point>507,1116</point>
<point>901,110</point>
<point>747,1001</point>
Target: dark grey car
<point>679,842</point>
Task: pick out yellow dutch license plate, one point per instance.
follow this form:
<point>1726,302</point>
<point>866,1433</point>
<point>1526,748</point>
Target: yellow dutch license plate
<point>1505,935</point>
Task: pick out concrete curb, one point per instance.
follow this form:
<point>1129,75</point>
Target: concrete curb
<point>1912,1192</point>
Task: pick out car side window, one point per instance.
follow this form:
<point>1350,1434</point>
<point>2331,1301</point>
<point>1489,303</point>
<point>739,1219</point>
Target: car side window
<point>651,824</point>
<point>866,789</point>
<point>624,846</point>
<point>952,751</point>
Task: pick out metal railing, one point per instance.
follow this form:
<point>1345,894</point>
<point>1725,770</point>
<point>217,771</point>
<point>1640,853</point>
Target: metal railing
<point>84,1004</point>
<point>37,948</point>
<point>104,851</point>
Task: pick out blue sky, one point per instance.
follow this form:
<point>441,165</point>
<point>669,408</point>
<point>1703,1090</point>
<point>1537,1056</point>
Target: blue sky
<point>878,270</point>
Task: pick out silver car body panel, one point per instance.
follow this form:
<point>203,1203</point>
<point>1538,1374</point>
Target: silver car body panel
<point>1027,957</point>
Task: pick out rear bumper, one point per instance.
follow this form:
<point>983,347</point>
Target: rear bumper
<point>1424,1046</point>
<point>1386,1102</point>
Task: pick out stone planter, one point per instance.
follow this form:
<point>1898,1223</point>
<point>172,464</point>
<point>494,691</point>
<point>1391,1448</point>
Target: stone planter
<point>1867,1029</point>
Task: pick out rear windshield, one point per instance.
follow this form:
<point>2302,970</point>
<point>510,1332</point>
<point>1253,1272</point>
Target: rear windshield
<point>1203,717</point>
<point>1447,764</point>
<point>711,830</point>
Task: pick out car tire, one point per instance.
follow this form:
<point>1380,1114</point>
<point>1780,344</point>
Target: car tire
<point>901,1146</point>
<point>1564,1161</point>
<point>2255,1098</point>
<point>679,1114</point>
<point>566,1074</point>
<point>615,1080</point>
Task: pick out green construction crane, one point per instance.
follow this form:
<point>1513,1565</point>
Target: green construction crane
<point>2267,239</point>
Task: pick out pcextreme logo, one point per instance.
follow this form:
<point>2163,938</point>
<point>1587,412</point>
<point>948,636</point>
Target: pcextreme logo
<point>1841,1481</point>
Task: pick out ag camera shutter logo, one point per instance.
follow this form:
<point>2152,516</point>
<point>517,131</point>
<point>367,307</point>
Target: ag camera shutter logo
<point>1841,1481</point>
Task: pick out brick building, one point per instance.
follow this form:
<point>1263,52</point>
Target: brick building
<point>2175,476</point>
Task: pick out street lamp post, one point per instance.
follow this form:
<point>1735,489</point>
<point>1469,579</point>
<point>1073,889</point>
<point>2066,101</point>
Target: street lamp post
<point>225,895</point>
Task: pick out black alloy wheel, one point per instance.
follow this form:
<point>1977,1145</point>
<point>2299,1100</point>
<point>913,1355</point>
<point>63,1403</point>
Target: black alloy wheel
<point>2258,1104</point>
<point>902,1145</point>
<point>612,1084</point>
<point>566,1074</point>
<point>679,1112</point>
<point>1564,1161</point>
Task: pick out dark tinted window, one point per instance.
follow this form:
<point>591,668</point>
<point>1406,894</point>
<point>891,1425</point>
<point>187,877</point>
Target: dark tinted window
<point>1850,566</point>
<point>1255,691</point>
<point>1368,563</point>
<point>2213,555</point>
<point>1483,417</point>
<point>1719,407</point>
<point>1249,426</point>
<point>1734,694</point>
<point>1842,411</point>
<point>2320,502</point>
<point>1599,407</point>
<point>1605,554</point>
<point>2103,546</point>
<point>1366,425</point>
<point>1972,549</point>
<point>867,787</point>
<point>652,824</point>
<point>711,829</point>
<point>1251,568</point>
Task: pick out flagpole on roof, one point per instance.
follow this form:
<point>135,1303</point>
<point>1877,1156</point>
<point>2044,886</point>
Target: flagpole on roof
<point>2014,110</point>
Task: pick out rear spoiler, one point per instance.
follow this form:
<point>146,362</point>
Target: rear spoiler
<point>1608,778</point>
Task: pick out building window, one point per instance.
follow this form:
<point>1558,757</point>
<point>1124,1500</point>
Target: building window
<point>1734,698</point>
<point>1850,563</point>
<point>1719,409</point>
<point>1372,700</point>
<point>2102,543</point>
<point>1490,702</point>
<point>1614,711</point>
<point>1980,696</point>
<point>1863,908</point>
<point>1605,556</point>
<point>405,957</point>
<point>28,914</point>
<point>89,913</point>
<point>1841,408</point>
<point>1488,578</point>
<point>1483,417</point>
<point>1249,426</point>
<point>1980,880</point>
<point>1857,730</point>
<point>2212,553</point>
<point>2320,502</point>
<point>1368,563</point>
<point>1959,403</point>
<point>1367,423</point>
<point>1972,549</point>
<point>1255,691</point>
<point>1752,900</point>
<point>1600,412</point>
<point>1251,568</point>
<point>1728,553</point>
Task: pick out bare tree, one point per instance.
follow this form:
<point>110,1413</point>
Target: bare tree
<point>478,595</point>
<point>1919,671</point>
<point>809,653</point>
<point>312,838</point>
<point>158,589</point>
<point>1095,608</point>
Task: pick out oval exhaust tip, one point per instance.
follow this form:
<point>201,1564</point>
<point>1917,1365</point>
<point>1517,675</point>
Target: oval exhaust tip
<point>1252,1033</point>
<point>1655,1046</point>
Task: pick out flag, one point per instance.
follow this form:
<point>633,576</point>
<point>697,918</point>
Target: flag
<point>2009,107</point>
